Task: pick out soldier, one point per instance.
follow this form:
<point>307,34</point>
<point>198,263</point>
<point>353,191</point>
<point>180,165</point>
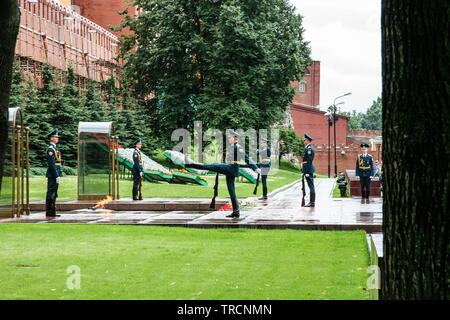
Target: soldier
<point>308,169</point>
<point>137,167</point>
<point>53,173</point>
<point>364,170</point>
<point>235,153</point>
<point>265,165</point>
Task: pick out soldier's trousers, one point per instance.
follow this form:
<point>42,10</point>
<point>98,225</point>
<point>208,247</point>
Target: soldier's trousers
<point>365,186</point>
<point>51,188</point>
<point>225,169</point>
<point>136,181</point>
<point>264,184</point>
<point>310,182</point>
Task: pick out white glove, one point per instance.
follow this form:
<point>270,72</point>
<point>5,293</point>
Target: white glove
<point>142,174</point>
<point>307,175</point>
<point>58,179</point>
<point>258,170</point>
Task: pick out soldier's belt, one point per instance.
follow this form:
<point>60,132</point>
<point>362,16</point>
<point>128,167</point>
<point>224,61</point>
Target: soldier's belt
<point>305,162</point>
<point>58,163</point>
<point>363,168</point>
<point>266,160</point>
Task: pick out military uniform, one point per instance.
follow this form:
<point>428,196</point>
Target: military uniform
<point>235,154</point>
<point>265,166</point>
<point>364,170</point>
<point>53,174</point>
<point>308,170</point>
<point>137,169</point>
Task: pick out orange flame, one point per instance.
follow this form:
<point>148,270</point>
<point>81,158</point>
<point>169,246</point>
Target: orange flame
<point>101,204</point>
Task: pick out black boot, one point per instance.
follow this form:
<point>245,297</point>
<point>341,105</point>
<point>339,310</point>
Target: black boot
<point>135,194</point>
<point>312,200</point>
<point>188,163</point>
<point>363,196</point>
<point>54,210</point>
<point>264,196</point>
<point>235,205</point>
<point>367,196</point>
<point>194,166</point>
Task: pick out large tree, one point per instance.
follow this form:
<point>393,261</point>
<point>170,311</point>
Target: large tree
<point>9,24</point>
<point>416,149</point>
<point>226,62</point>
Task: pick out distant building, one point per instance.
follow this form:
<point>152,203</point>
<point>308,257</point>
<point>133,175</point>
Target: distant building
<point>305,116</point>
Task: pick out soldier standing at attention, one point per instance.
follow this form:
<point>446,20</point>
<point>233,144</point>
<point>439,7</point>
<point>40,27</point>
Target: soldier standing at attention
<point>308,169</point>
<point>264,165</point>
<point>53,173</point>
<point>137,167</point>
<point>235,154</point>
<point>364,170</point>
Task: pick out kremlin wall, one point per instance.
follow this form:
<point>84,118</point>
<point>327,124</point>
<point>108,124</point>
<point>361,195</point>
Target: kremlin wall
<point>51,32</point>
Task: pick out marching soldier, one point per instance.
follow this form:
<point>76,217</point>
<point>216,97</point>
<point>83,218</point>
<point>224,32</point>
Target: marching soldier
<point>364,170</point>
<point>53,173</point>
<point>230,169</point>
<point>264,165</point>
<point>137,167</point>
<point>308,169</point>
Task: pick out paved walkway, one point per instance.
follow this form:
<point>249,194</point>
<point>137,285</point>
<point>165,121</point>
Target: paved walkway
<point>282,210</point>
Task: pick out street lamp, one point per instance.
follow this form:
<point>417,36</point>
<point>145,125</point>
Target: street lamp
<point>334,123</point>
<point>330,123</point>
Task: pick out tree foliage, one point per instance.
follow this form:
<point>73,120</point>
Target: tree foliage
<point>370,120</point>
<point>228,63</point>
<point>290,142</point>
<point>63,106</point>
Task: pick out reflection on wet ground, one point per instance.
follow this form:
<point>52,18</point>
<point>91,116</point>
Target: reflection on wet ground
<point>282,210</point>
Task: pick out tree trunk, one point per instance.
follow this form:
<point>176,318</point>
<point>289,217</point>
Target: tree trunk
<point>9,26</point>
<point>416,149</point>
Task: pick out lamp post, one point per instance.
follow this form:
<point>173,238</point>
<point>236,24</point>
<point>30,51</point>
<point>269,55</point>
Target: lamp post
<point>330,123</point>
<point>334,123</point>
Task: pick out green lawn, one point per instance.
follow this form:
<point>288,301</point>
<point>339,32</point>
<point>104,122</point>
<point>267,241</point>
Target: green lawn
<point>68,186</point>
<point>136,262</point>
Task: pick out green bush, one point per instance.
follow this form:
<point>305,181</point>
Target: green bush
<point>68,171</point>
<point>38,171</point>
<point>287,165</point>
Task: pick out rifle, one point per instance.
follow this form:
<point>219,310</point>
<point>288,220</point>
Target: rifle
<point>140,185</point>
<point>212,205</point>
<point>303,190</point>
<point>255,191</point>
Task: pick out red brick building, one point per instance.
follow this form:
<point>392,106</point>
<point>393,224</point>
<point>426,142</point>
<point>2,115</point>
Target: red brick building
<point>306,117</point>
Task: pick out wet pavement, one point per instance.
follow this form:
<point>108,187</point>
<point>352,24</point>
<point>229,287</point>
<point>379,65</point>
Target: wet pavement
<point>282,210</point>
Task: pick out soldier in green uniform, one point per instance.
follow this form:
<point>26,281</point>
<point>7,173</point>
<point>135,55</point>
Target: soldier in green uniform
<point>53,173</point>
<point>364,170</point>
<point>137,167</point>
<point>235,153</point>
<point>264,153</point>
<point>308,169</point>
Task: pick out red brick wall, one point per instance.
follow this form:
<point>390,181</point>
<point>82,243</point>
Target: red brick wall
<point>103,12</point>
<point>344,161</point>
<point>312,94</point>
<point>314,122</point>
<point>365,133</point>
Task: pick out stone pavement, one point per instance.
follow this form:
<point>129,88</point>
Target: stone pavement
<point>282,210</point>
